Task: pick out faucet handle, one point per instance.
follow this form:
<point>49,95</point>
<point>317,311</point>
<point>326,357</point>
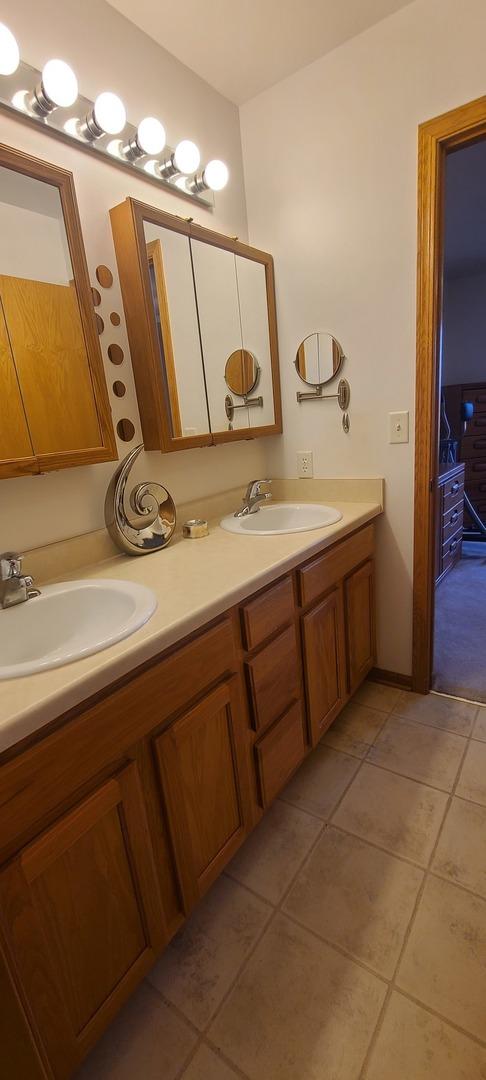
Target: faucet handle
<point>254,488</point>
<point>10,565</point>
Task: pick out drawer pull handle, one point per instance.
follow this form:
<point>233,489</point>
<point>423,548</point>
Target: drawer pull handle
<point>455,487</point>
<point>454,516</point>
<point>452,546</point>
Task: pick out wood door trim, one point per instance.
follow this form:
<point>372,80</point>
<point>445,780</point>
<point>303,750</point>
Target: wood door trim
<point>436,136</point>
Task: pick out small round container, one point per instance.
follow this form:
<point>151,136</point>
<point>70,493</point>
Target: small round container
<point>195,529</point>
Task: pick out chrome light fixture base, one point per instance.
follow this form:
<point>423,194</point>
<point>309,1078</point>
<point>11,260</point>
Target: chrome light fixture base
<point>20,96</point>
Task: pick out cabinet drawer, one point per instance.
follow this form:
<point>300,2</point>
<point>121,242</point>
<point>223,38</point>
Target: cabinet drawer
<point>267,613</point>
<point>325,571</point>
<point>452,545</point>
<point>474,446</point>
<point>453,492</point>
<point>452,521</point>
<point>279,753</point>
<point>273,678</point>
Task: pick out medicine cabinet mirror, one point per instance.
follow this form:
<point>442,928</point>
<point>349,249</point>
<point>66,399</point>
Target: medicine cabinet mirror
<point>201,320</point>
<point>55,411</point>
<point>319,359</point>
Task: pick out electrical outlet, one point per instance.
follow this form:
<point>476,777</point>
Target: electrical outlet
<point>305,466</point>
<point>398,427</point>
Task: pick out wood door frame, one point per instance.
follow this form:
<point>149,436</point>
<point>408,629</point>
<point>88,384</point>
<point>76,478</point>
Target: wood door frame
<point>436,137</point>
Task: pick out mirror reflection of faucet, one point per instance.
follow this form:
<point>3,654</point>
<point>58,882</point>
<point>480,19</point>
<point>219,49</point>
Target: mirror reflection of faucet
<point>253,497</point>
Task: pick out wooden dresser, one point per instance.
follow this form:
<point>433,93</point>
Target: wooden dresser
<point>450,518</point>
<point>473,443</point>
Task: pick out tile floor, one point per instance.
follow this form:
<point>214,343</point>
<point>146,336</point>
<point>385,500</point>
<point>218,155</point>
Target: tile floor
<point>347,939</point>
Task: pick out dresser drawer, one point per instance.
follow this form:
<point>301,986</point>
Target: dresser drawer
<point>474,446</point>
<point>322,573</point>
<point>452,521</point>
<point>476,394</point>
<point>273,677</point>
<point>452,492</point>
<point>475,471</point>
<point>451,549</point>
<point>261,617</point>
<point>279,753</point>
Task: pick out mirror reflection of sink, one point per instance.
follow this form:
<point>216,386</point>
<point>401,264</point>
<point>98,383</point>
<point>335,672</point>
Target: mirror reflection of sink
<point>68,621</point>
<point>282,518</point>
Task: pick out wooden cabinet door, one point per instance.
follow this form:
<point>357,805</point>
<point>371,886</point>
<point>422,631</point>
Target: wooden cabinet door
<point>324,662</point>
<point>360,624</point>
<point>203,770</point>
<point>15,444</point>
<point>82,918</point>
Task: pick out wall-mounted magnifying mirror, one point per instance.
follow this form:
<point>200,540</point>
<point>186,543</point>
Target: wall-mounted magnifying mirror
<point>319,358</point>
<point>241,372</point>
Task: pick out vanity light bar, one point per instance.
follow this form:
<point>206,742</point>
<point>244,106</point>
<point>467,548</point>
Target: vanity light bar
<point>51,97</point>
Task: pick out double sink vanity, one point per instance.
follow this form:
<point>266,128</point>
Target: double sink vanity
<point>130,778</point>
<point>151,709</point>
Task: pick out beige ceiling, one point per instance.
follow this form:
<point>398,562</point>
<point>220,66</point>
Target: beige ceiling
<point>244,46</point>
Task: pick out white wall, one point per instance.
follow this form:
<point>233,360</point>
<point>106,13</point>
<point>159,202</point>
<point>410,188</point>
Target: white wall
<point>464,329</point>
<point>108,52</point>
<point>331,176</point>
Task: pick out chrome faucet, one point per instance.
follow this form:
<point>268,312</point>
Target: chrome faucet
<point>254,496</point>
<point>15,587</point>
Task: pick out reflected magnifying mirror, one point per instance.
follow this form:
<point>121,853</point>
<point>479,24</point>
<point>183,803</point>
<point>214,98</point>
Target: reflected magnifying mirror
<point>241,372</point>
<point>319,358</point>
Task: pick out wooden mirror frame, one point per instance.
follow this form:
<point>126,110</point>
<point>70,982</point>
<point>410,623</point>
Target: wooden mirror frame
<point>153,390</point>
<point>107,450</point>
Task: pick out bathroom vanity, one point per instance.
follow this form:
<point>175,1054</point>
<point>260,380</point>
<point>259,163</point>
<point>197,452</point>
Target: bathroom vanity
<point>117,816</point>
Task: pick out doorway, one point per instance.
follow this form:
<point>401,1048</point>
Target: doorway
<point>449,564</point>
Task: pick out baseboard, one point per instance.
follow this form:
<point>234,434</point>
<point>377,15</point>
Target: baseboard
<point>391,678</point>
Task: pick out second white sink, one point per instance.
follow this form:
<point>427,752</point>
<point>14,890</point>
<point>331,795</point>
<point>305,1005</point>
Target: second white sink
<point>69,621</point>
<point>282,518</point>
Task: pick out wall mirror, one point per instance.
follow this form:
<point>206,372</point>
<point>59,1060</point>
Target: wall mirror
<point>319,358</point>
<point>201,320</point>
<point>241,372</point>
<point>56,410</point>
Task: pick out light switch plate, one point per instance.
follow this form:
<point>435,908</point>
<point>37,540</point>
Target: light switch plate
<point>399,425</point>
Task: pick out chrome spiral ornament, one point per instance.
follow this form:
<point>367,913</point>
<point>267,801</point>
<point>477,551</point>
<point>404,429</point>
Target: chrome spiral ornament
<point>154,522</point>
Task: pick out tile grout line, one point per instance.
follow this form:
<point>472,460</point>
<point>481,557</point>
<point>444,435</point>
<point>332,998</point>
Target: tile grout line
<point>393,982</point>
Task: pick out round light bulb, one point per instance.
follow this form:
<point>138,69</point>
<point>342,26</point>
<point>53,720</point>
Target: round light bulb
<point>109,113</point>
<point>151,135</point>
<point>59,83</point>
<point>216,175</point>
<point>186,156</point>
<point>9,51</point>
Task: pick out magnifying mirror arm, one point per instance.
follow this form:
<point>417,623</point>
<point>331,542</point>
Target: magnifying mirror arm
<point>247,403</point>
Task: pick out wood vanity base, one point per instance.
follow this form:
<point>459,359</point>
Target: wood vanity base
<point>116,820</point>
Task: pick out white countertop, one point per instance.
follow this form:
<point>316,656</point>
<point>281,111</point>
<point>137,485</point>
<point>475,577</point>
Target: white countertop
<point>194,581</point>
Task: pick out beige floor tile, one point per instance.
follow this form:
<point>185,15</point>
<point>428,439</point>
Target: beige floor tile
<point>206,1065</point>
<point>398,814</point>
<point>355,729</point>
<point>413,1045</point>
<point>444,964</point>
<point>442,712</point>
<point>461,851</point>
<point>299,1011</point>
<point>357,897</point>
<point>147,1040</point>
<point>204,957</point>
<point>479,730</point>
<point>271,856</point>
<point>422,753</point>
<point>472,781</point>
<point>377,696</point>
<point>320,781</point>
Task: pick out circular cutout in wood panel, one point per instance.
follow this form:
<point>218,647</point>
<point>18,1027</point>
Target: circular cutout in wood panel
<point>100,326</point>
<point>96,297</point>
<point>116,354</point>
<point>104,276</point>
<point>119,388</point>
<point>114,318</point>
<point>125,430</point>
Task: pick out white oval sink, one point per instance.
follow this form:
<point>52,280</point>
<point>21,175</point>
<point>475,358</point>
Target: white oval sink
<point>282,518</point>
<point>68,621</point>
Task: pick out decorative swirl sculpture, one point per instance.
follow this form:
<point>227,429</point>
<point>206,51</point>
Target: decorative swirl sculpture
<point>152,505</point>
